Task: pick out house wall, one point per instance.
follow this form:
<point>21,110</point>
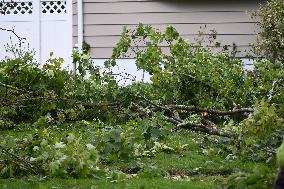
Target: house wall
<point>104,20</point>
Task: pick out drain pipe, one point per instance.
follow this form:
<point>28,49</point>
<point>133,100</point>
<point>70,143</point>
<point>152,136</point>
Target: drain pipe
<point>80,24</point>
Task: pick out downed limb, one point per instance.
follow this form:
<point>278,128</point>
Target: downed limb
<point>180,124</point>
<point>171,120</point>
<point>196,127</point>
<point>20,161</point>
<point>174,114</point>
<point>206,126</point>
<point>170,108</point>
<point>154,104</point>
<point>210,111</point>
<point>202,128</point>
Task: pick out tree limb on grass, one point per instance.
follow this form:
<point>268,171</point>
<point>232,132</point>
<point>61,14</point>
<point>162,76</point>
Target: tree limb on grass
<point>171,120</point>
<point>6,161</point>
<point>194,127</point>
<point>21,160</point>
<point>202,128</point>
<point>170,108</point>
<point>210,111</point>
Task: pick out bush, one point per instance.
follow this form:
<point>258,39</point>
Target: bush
<point>270,43</point>
<point>260,177</point>
<point>261,133</point>
<point>32,92</point>
<point>268,83</point>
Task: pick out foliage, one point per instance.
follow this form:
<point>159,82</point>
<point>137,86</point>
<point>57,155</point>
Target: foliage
<point>270,18</point>
<point>184,74</point>
<point>152,172</point>
<point>260,177</point>
<point>58,157</point>
<point>31,92</point>
<point>85,125</point>
<point>280,155</point>
<point>82,60</point>
<point>268,82</point>
<point>259,129</point>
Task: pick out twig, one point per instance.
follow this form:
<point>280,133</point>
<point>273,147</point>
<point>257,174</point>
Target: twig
<point>14,33</point>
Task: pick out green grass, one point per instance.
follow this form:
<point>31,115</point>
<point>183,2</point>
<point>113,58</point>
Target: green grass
<point>192,162</point>
<point>136,183</point>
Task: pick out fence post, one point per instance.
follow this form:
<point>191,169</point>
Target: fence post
<point>37,24</point>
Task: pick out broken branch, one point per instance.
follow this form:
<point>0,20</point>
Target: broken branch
<point>211,111</point>
<point>17,158</point>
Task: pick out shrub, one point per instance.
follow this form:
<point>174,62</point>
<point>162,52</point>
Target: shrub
<point>261,133</point>
<point>270,43</point>
<point>261,177</point>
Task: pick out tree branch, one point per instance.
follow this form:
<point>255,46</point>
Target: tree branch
<point>194,127</point>
<point>202,128</point>
<point>17,158</point>
<point>210,111</point>
<point>11,87</point>
<point>14,33</point>
<point>154,104</point>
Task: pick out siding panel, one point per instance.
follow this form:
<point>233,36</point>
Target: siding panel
<point>104,20</point>
<point>183,29</point>
<point>166,6</point>
<point>102,41</point>
<point>102,53</point>
<point>167,18</point>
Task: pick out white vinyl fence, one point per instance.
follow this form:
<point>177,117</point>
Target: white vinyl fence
<point>46,26</point>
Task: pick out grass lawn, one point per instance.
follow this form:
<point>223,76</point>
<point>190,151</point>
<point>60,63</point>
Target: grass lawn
<point>136,183</point>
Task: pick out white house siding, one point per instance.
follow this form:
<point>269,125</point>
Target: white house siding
<point>104,20</point>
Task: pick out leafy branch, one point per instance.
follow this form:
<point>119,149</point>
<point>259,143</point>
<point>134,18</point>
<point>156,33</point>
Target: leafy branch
<point>21,161</point>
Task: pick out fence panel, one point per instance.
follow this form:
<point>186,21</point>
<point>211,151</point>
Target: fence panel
<point>46,26</point>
